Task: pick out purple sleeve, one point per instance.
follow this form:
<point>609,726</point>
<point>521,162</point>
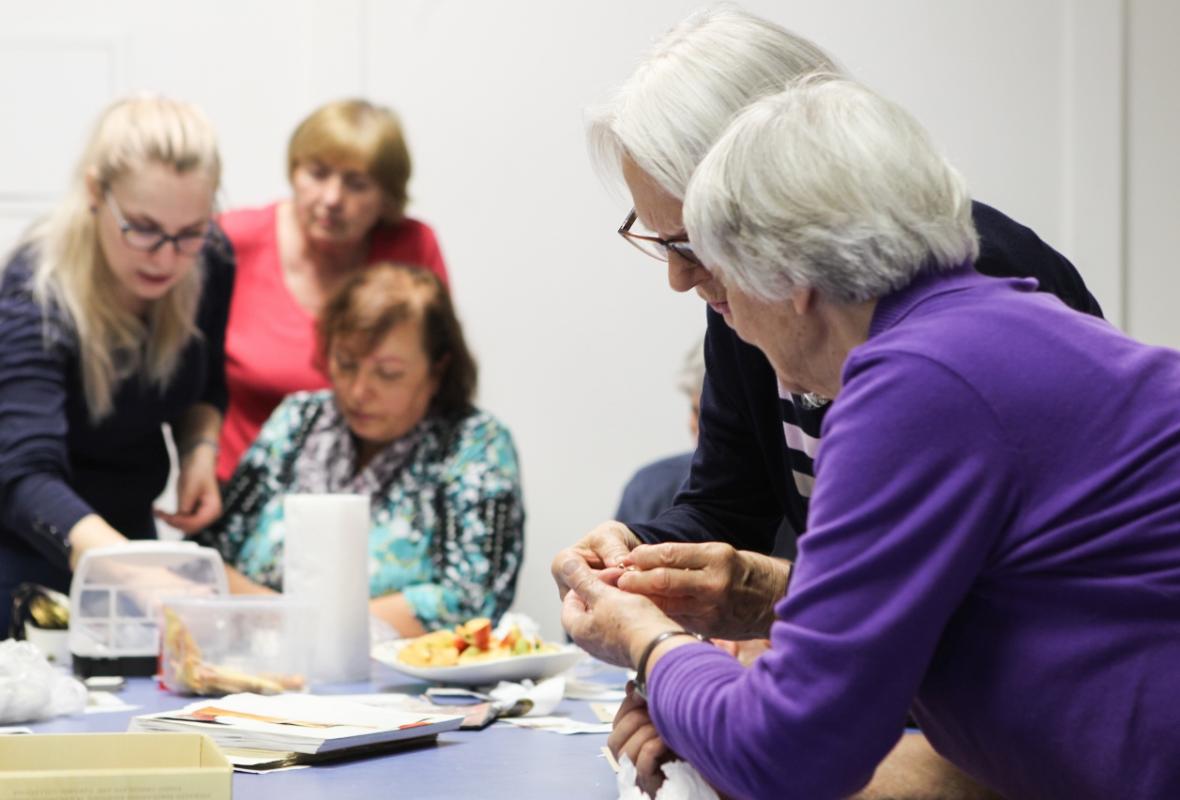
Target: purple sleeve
<point>36,501</point>
<point>911,471</point>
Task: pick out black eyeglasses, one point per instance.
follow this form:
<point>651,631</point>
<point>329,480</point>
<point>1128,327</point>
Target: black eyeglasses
<point>656,247</point>
<point>149,240</point>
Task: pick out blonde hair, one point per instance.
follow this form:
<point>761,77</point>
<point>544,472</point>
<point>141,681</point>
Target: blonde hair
<point>72,273</point>
<point>357,130</point>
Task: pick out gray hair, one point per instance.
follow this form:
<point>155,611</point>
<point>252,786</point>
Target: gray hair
<point>689,86</point>
<point>829,186</point>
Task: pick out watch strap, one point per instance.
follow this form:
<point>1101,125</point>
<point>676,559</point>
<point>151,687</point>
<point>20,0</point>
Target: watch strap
<point>641,667</point>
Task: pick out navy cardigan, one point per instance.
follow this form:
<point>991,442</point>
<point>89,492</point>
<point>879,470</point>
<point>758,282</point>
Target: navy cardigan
<point>56,465</point>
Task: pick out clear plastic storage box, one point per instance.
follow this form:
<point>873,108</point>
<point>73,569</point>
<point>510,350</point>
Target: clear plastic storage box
<point>222,645</point>
<point>115,601</point>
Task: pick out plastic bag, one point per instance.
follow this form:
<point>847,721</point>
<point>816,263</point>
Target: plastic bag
<point>31,689</point>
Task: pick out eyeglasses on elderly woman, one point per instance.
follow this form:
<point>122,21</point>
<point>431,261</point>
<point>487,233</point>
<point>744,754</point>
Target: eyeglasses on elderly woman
<point>655,246</point>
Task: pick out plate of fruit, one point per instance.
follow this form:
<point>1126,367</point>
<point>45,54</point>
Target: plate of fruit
<point>475,654</point>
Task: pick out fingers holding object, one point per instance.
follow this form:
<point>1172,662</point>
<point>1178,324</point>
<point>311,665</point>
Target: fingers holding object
<point>676,555</point>
<point>651,755</point>
<point>577,575</point>
<point>627,722</point>
<point>667,582</point>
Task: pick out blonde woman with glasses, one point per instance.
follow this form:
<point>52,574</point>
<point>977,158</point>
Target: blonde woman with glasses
<point>112,320</point>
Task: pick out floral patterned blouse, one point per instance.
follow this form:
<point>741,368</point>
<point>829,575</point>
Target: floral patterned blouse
<point>447,514</point>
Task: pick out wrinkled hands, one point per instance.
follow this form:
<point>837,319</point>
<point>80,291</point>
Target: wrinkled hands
<point>198,498</point>
<point>634,735</point>
<point>606,622</point>
<point>605,546</point>
<point>710,588</point>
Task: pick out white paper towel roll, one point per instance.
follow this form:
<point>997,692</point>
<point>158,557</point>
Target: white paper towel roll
<point>326,563</point>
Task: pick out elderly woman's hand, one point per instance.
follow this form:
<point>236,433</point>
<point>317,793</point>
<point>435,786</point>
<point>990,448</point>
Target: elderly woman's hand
<point>608,623</point>
<point>605,546</point>
<point>710,588</point>
<point>634,735</point>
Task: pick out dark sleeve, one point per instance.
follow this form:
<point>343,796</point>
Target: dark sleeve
<point>213,314</point>
<point>1008,249</point>
<point>653,488</point>
<point>729,495</point>
<point>36,500</point>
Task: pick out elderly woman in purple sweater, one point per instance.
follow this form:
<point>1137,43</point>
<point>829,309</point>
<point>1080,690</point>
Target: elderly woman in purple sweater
<point>994,545</point>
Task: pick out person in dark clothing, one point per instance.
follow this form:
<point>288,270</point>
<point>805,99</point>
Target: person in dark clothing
<point>993,540</point>
<point>653,488</point>
<point>112,321</point>
<point>753,466</point>
<point>705,559</point>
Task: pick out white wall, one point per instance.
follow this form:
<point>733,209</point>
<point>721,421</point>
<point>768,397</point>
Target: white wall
<point>1153,171</point>
<point>578,337</point>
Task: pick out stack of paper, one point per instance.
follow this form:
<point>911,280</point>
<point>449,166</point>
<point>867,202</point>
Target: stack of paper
<point>312,725</point>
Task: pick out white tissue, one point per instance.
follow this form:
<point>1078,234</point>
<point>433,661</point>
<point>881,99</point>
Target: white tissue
<point>31,689</point>
<point>326,563</point>
<point>544,695</point>
<point>681,782</point>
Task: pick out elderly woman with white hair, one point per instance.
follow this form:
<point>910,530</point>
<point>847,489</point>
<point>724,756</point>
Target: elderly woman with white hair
<point>992,543</point>
<point>704,557</point>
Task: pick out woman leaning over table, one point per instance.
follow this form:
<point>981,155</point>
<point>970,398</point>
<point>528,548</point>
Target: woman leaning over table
<point>112,318</point>
<point>349,167</point>
<point>398,425</point>
<point>993,543</point>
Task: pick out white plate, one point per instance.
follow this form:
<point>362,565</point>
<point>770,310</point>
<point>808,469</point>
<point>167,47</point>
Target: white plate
<point>483,673</point>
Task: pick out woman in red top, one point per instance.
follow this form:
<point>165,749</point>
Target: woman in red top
<point>348,166</point>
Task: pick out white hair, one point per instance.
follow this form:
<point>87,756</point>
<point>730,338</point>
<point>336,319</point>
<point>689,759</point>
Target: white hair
<point>829,186</point>
<point>689,86</point>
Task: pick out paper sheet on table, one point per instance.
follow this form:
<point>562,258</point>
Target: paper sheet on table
<point>681,782</point>
<point>577,689</point>
<point>105,702</point>
<point>476,716</point>
<point>581,688</point>
<point>554,724</point>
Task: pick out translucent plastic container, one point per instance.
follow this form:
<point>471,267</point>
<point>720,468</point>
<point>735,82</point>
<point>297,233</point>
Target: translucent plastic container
<point>115,596</point>
<point>222,645</point>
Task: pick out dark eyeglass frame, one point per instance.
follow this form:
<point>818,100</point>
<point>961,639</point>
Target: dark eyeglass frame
<point>183,244</point>
<point>681,247</point>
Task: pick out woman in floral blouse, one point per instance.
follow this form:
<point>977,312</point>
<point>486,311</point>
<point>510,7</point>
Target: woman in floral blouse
<point>398,425</point>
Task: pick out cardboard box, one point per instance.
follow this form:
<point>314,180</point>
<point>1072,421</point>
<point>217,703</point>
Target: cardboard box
<point>105,766</point>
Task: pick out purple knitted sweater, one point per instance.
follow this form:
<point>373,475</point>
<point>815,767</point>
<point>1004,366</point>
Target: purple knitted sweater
<point>993,543</point>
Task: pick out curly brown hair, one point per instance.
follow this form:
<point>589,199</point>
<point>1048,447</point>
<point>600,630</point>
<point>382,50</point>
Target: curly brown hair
<point>376,299</point>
